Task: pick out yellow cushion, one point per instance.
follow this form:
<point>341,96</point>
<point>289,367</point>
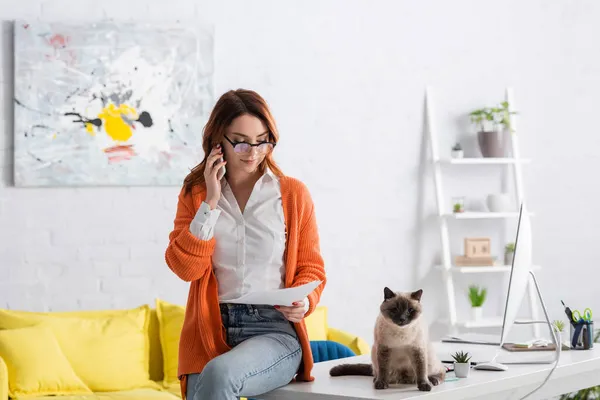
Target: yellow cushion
<point>36,364</point>
<point>175,389</point>
<point>136,394</point>
<point>108,352</point>
<point>3,379</point>
<point>316,324</point>
<point>170,322</point>
<point>155,355</point>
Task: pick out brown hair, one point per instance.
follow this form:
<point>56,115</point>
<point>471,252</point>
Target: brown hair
<point>231,105</point>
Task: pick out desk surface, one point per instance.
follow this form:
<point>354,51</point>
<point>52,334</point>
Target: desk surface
<point>576,370</point>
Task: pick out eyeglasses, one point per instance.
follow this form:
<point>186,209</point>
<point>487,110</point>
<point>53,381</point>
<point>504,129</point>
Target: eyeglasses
<point>244,147</point>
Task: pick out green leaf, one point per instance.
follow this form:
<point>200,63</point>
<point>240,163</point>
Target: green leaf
<point>477,295</point>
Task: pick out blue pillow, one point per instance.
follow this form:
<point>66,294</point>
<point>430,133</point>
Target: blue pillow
<point>325,350</point>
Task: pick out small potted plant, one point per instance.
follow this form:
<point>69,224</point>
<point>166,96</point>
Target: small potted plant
<point>477,297</point>
<point>558,326</point>
<point>509,253</point>
<point>458,204</point>
<point>462,366</point>
<point>457,151</point>
<point>491,123</point>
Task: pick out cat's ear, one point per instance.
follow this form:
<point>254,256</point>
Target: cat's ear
<point>416,295</point>
<point>388,293</point>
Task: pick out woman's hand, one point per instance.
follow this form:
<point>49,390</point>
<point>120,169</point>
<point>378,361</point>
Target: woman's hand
<point>211,171</point>
<point>295,313</point>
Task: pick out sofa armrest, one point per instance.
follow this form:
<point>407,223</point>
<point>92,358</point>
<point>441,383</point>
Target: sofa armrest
<point>3,380</point>
<point>356,344</point>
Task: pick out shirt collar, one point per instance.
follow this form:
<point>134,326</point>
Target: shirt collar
<point>269,174</point>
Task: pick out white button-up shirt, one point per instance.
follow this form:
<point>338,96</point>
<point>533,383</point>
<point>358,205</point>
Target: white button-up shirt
<point>249,246</point>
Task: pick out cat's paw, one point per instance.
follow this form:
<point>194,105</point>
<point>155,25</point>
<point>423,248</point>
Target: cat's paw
<point>424,386</point>
<point>435,380</point>
<point>381,384</point>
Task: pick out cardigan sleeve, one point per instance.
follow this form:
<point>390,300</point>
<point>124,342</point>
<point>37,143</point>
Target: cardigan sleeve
<point>310,265</point>
<point>189,257</point>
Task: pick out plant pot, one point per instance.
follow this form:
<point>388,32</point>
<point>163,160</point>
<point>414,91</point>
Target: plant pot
<point>558,337</point>
<point>490,143</point>
<point>565,345</point>
<point>461,370</point>
<point>457,153</point>
<point>456,202</point>
<point>508,258</point>
<point>476,313</point>
<point>498,202</point>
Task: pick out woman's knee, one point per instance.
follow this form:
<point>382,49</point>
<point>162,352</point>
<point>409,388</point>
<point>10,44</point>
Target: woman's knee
<point>217,376</point>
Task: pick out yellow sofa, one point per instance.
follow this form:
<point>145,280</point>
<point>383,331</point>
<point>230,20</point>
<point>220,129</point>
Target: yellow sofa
<point>107,354</point>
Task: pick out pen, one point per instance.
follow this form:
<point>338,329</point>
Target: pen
<point>569,313</point>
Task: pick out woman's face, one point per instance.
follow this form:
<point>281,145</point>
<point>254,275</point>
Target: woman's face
<point>246,129</point>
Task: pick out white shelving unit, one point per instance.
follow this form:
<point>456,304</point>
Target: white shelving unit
<point>482,215</point>
<point>483,161</point>
<point>447,268</point>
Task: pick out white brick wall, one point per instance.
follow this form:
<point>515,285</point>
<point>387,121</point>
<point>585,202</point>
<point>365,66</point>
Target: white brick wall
<point>345,81</point>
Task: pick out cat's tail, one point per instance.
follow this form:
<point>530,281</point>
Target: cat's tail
<point>352,369</point>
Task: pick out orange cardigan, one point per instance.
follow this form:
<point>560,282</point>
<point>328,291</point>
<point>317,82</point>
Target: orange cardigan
<point>203,336</point>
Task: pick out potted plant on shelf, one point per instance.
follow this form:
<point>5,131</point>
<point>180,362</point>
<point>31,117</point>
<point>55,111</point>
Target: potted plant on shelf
<point>491,122</point>
<point>509,253</point>
<point>462,366</point>
<point>458,204</point>
<point>477,297</point>
<point>457,151</point>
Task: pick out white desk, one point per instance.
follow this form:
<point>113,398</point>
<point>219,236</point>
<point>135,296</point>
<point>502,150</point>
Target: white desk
<point>576,370</point>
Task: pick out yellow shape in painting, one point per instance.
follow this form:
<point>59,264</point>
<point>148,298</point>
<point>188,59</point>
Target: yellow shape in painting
<point>115,124</point>
<point>90,129</point>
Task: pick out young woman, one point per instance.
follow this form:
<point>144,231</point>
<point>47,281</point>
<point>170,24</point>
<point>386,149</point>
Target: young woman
<point>238,230</point>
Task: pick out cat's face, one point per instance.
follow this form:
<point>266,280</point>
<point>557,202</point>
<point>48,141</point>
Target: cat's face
<point>401,308</point>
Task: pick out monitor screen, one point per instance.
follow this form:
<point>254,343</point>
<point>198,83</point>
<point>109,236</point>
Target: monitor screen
<point>519,273</point>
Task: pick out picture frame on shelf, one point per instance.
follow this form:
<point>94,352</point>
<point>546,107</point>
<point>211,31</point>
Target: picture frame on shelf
<point>477,247</point>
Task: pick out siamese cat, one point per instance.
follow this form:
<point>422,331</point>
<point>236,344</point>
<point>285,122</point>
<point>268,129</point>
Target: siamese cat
<point>401,352</point>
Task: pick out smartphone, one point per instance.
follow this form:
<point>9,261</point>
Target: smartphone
<point>222,171</point>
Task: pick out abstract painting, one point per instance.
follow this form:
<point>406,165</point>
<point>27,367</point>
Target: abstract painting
<point>110,103</point>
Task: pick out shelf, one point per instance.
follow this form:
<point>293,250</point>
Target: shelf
<point>483,215</point>
<point>483,269</point>
<point>491,322</point>
<point>484,161</point>
<point>482,323</point>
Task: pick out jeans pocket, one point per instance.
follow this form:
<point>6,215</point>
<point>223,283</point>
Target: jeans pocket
<point>268,314</point>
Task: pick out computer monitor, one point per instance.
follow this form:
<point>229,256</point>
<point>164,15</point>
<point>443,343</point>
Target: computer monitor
<point>519,274</point>
<point>517,286</point>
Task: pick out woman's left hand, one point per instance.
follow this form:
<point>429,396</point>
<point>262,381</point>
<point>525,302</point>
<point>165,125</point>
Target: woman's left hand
<point>294,313</point>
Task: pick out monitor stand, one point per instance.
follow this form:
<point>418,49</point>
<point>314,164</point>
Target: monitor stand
<point>496,366</point>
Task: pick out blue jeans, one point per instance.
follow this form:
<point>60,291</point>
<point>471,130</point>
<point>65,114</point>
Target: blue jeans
<point>265,355</point>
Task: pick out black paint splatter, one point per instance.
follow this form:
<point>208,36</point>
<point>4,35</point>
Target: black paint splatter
<point>72,94</point>
<point>36,157</point>
<point>17,102</point>
<point>145,119</point>
<point>96,121</point>
<point>37,126</point>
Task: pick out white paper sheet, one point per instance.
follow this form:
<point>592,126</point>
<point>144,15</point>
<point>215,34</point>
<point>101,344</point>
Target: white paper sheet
<point>278,297</point>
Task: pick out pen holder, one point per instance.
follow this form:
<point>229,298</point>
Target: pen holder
<point>582,335</point>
